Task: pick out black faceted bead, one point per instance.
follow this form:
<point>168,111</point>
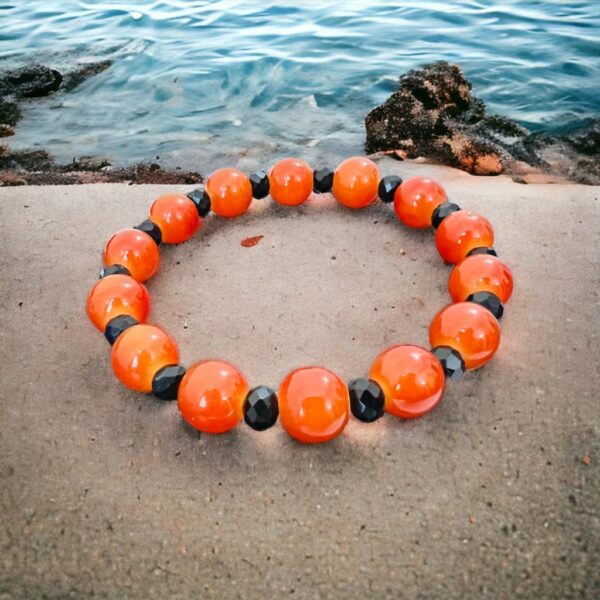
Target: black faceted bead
<point>165,383</point>
<point>116,326</point>
<point>366,399</point>
<point>489,301</point>
<point>113,270</point>
<point>442,211</point>
<point>452,362</point>
<point>202,201</point>
<point>261,408</point>
<point>482,250</point>
<point>260,184</point>
<point>152,229</point>
<point>323,180</point>
<point>387,187</point>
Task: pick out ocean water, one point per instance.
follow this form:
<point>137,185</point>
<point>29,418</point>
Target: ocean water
<point>201,84</point>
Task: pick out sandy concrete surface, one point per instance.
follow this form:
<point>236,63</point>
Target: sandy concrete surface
<point>106,493</point>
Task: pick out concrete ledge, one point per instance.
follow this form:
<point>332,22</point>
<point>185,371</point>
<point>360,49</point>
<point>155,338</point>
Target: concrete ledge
<point>105,492</point>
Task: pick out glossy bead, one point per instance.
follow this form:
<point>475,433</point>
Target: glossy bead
<point>211,396</point>
<point>451,361</point>
<point>387,188</point>
<point>355,182</point>
<point>117,325</point>
<point>323,180</point>
<point>313,404</point>
<point>117,295</point>
<point>230,192</point>
<point>468,328</point>
<point>113,270</point>
<point>416,199</point>
<point>260,184</point>
<point>152,229</point>
<point>139,353</point>
<point>291,181</point>
<point>366,399</point>
<point>480,273</point>
<point>442,211</point>
<point>482,250</point>
<point>460,232</point>
<point>177,217</point>
<point>166,382</point>
<point>489,301</point>
<point>412,380</point>
<point>135,250</point>
<point>201,200</point>
<point>261,408</point>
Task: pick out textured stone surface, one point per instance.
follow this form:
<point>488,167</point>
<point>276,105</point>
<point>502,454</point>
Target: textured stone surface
<point>494,494</point>
<point>434,114</point>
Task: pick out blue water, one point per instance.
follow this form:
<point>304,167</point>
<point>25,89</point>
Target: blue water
<point>203,83</point>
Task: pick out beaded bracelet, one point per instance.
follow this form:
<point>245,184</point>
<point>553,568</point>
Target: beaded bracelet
<point>312,403</point>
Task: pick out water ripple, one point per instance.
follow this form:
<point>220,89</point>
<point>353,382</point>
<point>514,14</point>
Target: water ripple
<point>245,82</point>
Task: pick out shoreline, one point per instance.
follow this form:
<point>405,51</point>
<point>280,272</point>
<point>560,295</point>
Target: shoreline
<point>433,117</point>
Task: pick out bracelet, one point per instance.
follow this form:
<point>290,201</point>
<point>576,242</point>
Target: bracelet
<point>312,403</point>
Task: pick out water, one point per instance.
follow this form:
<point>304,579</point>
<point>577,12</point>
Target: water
<point>202,83</point>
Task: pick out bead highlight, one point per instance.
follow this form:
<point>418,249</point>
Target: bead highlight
<point>211,396</point>
<point>114,296</point>
<point>416,199</point>
<point>291,181</point>
<point>468,328</point>
<point>230,192</point>
<point>355,182</point>
<point>134,250</point>
<point>139,353</point>
<point>177,217</point>
<point>314,405</point>
<point>412,380</point>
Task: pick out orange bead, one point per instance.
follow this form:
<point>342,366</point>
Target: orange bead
<point>480,273</point>
<point>211,396</point>
<point>355,182</point>
<point>135,250</point>
<point>139,352</point>
<point>470,329</point>
<point>314,405</point>
<point>461,232</point>
<point>177,217</point>
<point>291,181</point>
<point>412,380</point>
<point>416,199</point>
<point>117,295</point>
<point>230,192</point>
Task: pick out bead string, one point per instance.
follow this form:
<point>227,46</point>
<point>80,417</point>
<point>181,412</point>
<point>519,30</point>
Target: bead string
<point>313,403</point>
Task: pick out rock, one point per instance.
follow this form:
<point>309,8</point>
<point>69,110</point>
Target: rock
<point>10,113</point>
<point>79,75</point>
<point>25,160</point>
<point>88,163</point>
<point>434,115</point>
<point>32,81</point>
<point>586,139</point>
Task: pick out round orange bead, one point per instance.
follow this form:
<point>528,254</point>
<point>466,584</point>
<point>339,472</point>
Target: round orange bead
<point>117,295</point>
<point>412,380</point>
<point>211,396</point>
<point>291,181</point>
<point>480,273</point>
<point>230,192</point>
<point>355,182</point>
<point>416,199</point>
<point>177,217</point>
<point>470,329</point>
<point>461,232</point>
<point>139,352</point>
<point>135,250</point>
<point>314,405</point>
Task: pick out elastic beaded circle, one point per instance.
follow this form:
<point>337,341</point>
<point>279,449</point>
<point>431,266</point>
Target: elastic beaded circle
<point>313,403</point>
